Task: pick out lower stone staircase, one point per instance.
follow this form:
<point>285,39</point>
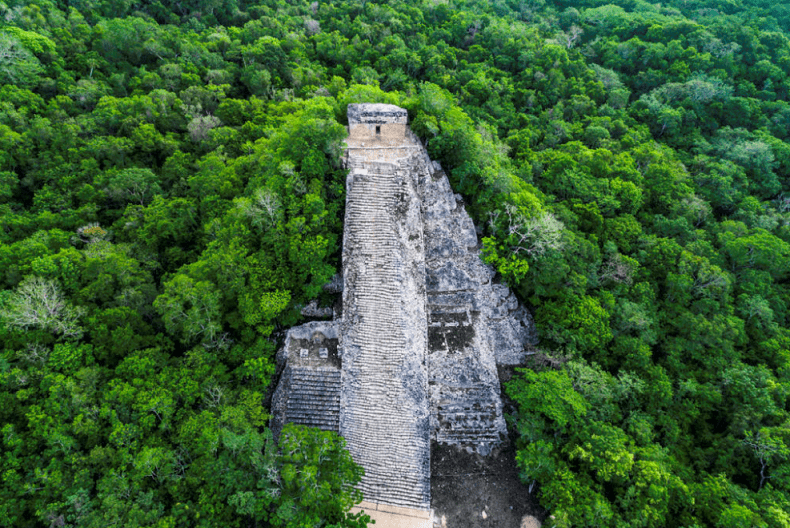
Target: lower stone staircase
<point>469,417</point>
<point>314,398</point>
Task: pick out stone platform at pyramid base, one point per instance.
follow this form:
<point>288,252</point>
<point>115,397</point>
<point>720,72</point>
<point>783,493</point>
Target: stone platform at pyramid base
<point>387,516</point>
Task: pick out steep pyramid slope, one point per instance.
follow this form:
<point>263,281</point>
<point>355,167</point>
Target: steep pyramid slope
<point>423,324</point>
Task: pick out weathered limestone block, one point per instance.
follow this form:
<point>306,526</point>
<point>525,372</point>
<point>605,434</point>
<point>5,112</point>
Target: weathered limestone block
<point>466,408</point>
<point>451,252</point>
<point>376,113</point>
<point>335,284</point>
<point>313,311</point>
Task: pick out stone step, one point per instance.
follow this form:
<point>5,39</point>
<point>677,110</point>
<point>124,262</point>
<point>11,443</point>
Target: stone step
<point>323,381</point>
<point>393,492</point>
<point>324,373</point>
<point>407,500</point>
<point>314,404</point>
<point>311,420</point>
<point>324,392</point>
<point>317,383</point>
<point>306,418</point>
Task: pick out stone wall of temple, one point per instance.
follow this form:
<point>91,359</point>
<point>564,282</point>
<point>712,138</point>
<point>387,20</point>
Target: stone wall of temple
<point>309,389</point>
<point>466,408</point>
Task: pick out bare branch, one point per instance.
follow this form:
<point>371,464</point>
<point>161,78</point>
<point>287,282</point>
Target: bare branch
<point>534,236</point>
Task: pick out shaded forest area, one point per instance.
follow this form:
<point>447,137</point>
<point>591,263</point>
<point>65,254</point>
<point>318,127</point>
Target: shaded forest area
<point>171,194</point>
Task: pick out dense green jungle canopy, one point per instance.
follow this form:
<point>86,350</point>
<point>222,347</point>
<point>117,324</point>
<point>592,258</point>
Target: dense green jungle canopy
<point>171,194</point>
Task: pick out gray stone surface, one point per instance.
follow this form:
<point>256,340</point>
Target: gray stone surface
<point>376,114</point>
<point>413,356</point>
<point>457,275</point>
<point>335,285</point>
<point>313,311</point>
<point>384,396</point>
<point>466,310</point>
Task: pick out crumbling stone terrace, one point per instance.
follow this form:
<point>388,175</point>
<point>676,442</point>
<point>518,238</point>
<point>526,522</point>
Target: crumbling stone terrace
<point>413,357</point>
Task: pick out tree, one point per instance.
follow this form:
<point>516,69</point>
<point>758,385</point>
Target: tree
<point>190,309</point>
<point>754,155</point>
<point>17,65</point>
<point>314,484</point>
<point>770,447</point>
<point>8,184</point>
<point>534,236</point>
<point>580,324</point>
<point>518,238</point>
<point>264,210</point>
<point>757,249</point>
<point>194,152</point>
<point>133,185</point>
<point>39,303</point>
<point>200,126</point>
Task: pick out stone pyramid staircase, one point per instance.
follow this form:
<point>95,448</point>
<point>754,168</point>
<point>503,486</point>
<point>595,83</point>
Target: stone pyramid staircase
<point>386,434</point>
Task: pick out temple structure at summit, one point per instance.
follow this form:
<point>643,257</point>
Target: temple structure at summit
<point>412,357</point>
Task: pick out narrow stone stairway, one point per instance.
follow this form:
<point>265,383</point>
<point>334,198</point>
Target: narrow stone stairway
<point>385,431</point>
<point>314,398</point>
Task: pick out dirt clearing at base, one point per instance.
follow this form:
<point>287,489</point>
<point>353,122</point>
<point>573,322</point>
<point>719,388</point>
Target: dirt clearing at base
<point>474,491</point>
